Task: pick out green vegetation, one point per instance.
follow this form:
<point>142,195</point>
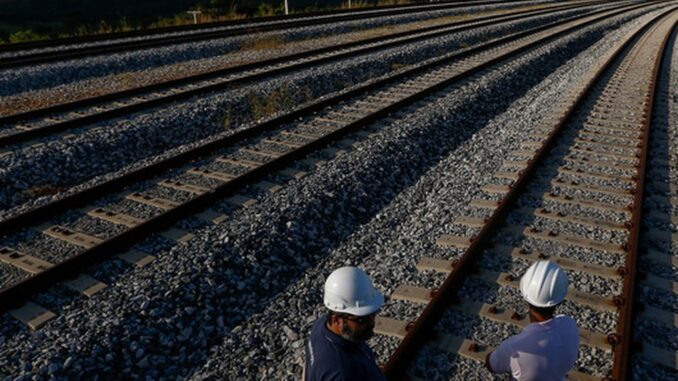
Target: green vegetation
<point>263,43</point>
<point>26,35</point>
<point>397,66</point>
<point>40,191</point>
<point>281,99</point>
<point>261,106</point>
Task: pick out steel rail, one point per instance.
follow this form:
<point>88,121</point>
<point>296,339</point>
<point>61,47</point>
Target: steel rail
<point>416,36</point>
<point>621,361</point>
<point>421,330</point>
<point>15,294</point>
<point>245,23</point>
<point>17,222</point>
<point>71,53</point>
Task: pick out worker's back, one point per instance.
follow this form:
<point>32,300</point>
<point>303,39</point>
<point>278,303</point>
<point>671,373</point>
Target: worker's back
<point>543,351</point>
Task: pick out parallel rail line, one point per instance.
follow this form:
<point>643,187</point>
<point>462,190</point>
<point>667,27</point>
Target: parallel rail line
<point>239,28</point>
<point>607,142</point>
<point>251,22</point>
<point>221,168</point>
<point>32,124</point>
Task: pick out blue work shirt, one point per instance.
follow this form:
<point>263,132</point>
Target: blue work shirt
<point>330,357</point>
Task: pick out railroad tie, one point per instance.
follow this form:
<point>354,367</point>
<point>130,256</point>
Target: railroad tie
<point>633,140</point>
<point>660,257</point>
<point>528,153</point>
<point>114,217</point>
<point>241,201</point>
<point>484,204</point>
<point>177,235</point>
<point>184,187</point>
<point>212,216</point>
<point>25,127</point>
<point>422,295</point>
<point>495,189</point>
<point>610,155</point>
<point>32,315</point>
<point>136,258</point>
<point>656,235</point>
<point>261,152</point>
<point>284,143</point>
<point>216,175</point>
<point>446,266</point>
<point>333,152</point>
<point>554,236</point>
<point>455,241</point>
<point>472,222</point>
<point>516,164</point>
<point>631,147</point>
<point>565,170</point>
<point>574,219</point>
<point>293,173</point>
<point>584,203</point>
<point>239,162</point>
<point>73,237</point>
<point>85,285</point>
<point>155,202</point>
<point>559,183</point>
<point>267,186</point>
<point>312,162</point>
<point>594,301</point>
<point>300,135</point>
<point>25,262</point>
<point>454,344</point>
<point>663,284</point>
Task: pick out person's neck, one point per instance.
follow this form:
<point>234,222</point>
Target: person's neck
<point>536,317</point>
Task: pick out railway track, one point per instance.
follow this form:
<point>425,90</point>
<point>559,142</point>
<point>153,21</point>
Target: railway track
<point>196,179</point>
<point>26,127</point>
<point>573,193</point>
<point>183,28</point>
<point>15,56</point>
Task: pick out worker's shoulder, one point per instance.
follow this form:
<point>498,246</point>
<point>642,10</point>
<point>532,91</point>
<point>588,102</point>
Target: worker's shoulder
<point>565,322</point>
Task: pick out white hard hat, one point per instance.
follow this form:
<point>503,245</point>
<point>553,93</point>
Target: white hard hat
<point>544,284</point>
<point>349,290</point>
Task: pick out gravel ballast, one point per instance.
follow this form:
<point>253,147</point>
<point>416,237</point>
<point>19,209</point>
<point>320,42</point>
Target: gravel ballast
<point>48,75</point>
<point>658,216</point>
<point>134,141</point>
<point>238,300</point>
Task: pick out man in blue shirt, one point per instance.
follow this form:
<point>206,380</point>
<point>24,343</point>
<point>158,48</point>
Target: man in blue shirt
<point>336,349</point>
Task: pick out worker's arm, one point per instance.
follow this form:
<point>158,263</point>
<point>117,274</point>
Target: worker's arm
<point>487,362</point>
<point>499,361</point>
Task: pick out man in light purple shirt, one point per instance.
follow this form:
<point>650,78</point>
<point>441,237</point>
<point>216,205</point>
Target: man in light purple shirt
<point>548,347</point>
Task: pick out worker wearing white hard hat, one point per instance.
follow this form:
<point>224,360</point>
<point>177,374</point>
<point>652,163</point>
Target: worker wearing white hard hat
<point>548,347</point>
<point>336,349</point>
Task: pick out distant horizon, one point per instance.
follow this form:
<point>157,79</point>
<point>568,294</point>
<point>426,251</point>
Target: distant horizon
<point>49,17</point>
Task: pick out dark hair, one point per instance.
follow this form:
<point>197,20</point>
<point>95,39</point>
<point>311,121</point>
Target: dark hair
<point>331,313</point>
<point>544,311</point>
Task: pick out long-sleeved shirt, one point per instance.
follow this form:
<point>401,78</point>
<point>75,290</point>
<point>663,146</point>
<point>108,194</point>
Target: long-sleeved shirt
<point>330,357</point>
<point>543,351</point>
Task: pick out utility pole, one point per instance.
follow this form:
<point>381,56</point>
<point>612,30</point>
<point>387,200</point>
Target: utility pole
<point>195,15</point>
<point>287,9</point>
